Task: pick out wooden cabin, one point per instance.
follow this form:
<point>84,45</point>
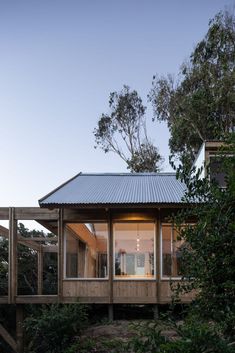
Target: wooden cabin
<point>112,237</point>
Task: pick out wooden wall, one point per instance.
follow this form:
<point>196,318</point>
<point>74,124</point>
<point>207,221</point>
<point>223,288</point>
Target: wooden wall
<point>95,290</point>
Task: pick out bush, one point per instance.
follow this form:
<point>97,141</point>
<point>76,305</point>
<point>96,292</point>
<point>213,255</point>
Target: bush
<point>198,337</point>
<point>148,338</point>
<point>53,327</point>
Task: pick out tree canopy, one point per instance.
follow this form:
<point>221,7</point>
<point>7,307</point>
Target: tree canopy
<point>200,104</point>
<point>208,260</point>
<point>123,132</point>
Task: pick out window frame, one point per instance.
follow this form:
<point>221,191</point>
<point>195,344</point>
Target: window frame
<point>154,278</point>
<point>163,277</point>
<point>210,160</point>
<point>65,278</point>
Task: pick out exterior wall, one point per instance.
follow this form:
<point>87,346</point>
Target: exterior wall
<point>111,290</point>
<point>208,148</point>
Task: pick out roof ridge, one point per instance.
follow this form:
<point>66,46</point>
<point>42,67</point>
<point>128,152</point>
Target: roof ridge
<point>127,174</point>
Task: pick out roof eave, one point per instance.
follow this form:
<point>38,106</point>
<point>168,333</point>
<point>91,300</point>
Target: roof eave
<point>116,205</point>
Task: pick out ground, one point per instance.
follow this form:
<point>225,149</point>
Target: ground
<point>109,337</point>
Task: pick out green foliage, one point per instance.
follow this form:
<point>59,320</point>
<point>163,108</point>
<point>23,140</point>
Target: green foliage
<point>201,104</point>
<point>81,346</point>
<point>3,266</point>
<point>52,329</point>
<point>209,259</point>
<point>196,336</point>
<point>148,339</point>
<point>7,319</point>
<point>123,132</point>
<point>27,265</point>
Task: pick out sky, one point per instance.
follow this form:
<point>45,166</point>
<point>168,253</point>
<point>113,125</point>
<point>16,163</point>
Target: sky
<point>59,61</point>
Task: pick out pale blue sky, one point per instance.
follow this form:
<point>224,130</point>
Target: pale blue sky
<point>59,60</point>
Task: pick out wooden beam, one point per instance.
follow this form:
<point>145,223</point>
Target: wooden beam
<point>50,248</point>
<point>37,239</point>
<point>145,215</point>
<point>49,225</point>
<point>8,338</point>
<point>4,213</point>
<point>85,215</point>
<point>29,243</point>
<point>36,299</point>
<point>36,213</point>
<point>4,232</point>
<point>86,300</point>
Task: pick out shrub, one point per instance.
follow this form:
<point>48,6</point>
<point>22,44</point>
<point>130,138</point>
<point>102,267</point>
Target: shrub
<point>53,327</point>
<point>198,337</point>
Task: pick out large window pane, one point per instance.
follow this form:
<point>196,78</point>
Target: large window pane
<point>177,254</point>
<point>86,250</point>
<point>171,251</point>
<point>217,172</point>
<point>167,250</point>
<point>134,250</point>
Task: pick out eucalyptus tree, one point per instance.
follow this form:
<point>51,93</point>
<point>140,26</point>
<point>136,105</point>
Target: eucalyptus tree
<point>123,131</point>
<point>200,104</point>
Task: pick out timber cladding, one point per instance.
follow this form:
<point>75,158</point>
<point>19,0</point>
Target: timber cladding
<point>110,290</point>
<point>86,288</point>
<point>134,291</point>
<point>124,291</point>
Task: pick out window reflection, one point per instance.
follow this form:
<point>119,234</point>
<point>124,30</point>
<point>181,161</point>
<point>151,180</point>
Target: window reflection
<point>171,251</point>
<point>86,250</point>
<point>134,250</point>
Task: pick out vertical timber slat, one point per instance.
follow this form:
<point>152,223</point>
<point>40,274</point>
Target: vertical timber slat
<point>19,328</point>
<point>60,254</point>
<point>40,271</point>
<point>110,231</point>
<point>12,257</point>
<point>158,256</point>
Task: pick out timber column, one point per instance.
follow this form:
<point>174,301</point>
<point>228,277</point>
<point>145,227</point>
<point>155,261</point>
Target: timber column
<point>12,257</point>
<point>60,254</point>
<point>110,308</point>
<point>19,328</point>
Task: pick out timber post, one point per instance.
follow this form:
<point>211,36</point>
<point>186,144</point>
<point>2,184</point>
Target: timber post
<point>158,257</point>
<point>40,270</point>
<point>110,272</point>
<point>19,328</point>
<point>110,313</point>
<point>60,254</point>
<point>12,257</point>
<point>156,312</point>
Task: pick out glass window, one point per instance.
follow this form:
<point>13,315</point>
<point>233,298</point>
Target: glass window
<point>134,250</point>
<point>216,171</point>
<point>86,250</point>
<point>171,251</point>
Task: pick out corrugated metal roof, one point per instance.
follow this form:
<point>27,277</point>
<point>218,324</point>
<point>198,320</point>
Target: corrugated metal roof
<point>117,189</point>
